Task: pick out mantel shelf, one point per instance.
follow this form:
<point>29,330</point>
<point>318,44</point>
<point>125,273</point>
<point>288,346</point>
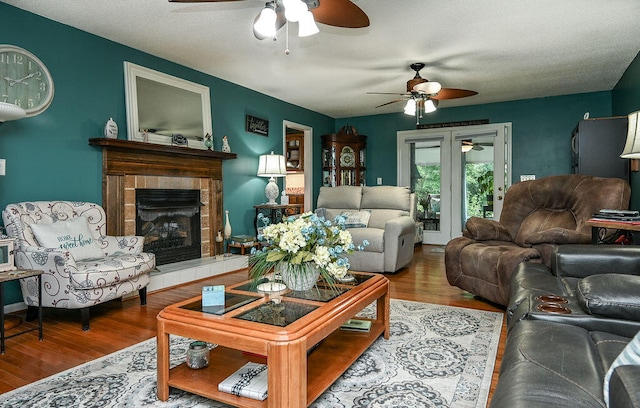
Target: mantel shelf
<point>133,146</point>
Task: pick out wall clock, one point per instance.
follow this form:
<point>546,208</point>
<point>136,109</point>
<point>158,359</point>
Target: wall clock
<point>24,80</point>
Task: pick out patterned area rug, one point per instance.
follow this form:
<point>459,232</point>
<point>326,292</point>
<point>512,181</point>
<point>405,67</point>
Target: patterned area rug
<point>437,356</point>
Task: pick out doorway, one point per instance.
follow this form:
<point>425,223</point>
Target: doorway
<point>456,173</point>
<point>299,166</point>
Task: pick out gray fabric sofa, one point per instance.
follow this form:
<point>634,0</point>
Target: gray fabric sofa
<point>390,228</point>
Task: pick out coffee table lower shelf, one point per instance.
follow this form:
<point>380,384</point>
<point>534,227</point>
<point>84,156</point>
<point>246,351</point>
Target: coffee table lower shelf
<point>325,364</point>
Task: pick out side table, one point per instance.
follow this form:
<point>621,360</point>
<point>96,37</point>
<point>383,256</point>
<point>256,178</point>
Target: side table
<point>9,276</point>
<point>600,235</point>
<point>243,247</point>
<point>275,213</point>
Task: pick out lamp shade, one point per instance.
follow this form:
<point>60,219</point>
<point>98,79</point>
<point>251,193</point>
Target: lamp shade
<point>9,111</point>
<point>266,23</point>
<point>632,146</point>
<point>272,165</point>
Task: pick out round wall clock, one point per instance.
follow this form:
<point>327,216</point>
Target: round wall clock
<point>24,80</point>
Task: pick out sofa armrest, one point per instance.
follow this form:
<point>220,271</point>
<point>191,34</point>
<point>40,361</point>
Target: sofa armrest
<point>399,226</point>
<point>129,244</point>
<point>483,229</point>
<point>624,387</point>
<point>580,261</point>
<point>610,295</point>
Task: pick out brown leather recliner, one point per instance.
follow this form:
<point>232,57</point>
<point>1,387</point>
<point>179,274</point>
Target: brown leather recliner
<point>537,215</point>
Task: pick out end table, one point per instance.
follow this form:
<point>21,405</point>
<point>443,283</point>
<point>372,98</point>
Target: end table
<point>8,276</point>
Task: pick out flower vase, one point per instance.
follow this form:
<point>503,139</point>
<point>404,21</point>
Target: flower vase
<point>227,231</point>
<point>299,277</point>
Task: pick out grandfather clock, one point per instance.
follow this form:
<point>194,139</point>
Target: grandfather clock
<point>344,158</point>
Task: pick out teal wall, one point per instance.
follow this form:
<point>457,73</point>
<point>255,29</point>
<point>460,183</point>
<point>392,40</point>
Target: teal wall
<point>626,99</point>
<point>48,156</point>
<point>541,131</point>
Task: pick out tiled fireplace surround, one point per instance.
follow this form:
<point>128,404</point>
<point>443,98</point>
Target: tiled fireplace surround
<point>128,165</point>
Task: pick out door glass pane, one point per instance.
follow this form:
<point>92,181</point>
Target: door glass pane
<point>426,182</point>
<point>478,171</point>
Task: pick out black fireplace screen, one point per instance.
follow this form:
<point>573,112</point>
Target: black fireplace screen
<point>169,220</point>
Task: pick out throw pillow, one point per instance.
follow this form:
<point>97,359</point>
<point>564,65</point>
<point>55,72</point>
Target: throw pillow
<point>73,236</point>
<point>357,219</point>
<point>629,356</point>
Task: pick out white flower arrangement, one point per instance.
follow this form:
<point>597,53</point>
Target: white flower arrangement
<point>302,240</point>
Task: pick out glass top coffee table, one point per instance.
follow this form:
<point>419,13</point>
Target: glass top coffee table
<point>297,334</point>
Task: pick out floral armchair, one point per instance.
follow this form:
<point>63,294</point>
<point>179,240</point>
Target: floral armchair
<point>114,267</point>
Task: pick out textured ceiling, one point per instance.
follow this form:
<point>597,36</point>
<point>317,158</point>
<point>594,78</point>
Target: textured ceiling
<point>503,49</point>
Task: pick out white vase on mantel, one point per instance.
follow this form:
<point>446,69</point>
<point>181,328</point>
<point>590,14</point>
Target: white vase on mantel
<point>227,231</point>
<point>227,225</point>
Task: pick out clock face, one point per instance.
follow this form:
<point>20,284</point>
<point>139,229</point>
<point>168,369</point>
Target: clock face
<point>24,80</point>
<point>347,157</point>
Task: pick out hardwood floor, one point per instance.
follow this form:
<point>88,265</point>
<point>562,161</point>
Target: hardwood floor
<point>119,324</point>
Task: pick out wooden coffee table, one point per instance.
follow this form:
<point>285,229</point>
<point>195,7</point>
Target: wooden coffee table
<point>304,347</point>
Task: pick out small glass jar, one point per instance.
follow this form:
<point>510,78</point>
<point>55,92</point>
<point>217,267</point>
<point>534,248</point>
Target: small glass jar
<point>198,355</point>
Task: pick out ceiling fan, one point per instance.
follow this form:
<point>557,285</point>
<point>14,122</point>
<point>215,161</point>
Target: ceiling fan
<point>422,95</point>
<point>338,13</point>
<point>468,145</point>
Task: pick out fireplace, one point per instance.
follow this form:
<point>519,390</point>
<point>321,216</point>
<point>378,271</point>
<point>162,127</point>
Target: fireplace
<point>169,220</point>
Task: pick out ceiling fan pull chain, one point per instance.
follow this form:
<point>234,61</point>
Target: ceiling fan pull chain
<point>286,51</point>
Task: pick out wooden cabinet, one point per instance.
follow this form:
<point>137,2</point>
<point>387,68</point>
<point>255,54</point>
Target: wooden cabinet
<point>596,145</point>
<point>294,151</point>
<point>344,158</point>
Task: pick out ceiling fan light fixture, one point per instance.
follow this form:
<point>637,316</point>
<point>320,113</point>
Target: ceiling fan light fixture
<point>307,25</point>
<point>428,87</point>
<point>266,23</point>
<point>430,105</point>
<point>294,10</point>
<point>410,107</point>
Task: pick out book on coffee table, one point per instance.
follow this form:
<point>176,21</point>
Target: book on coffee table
<point>249,381</point>
<point>357,325</point>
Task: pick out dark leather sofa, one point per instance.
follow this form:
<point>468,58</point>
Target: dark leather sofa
<point>566,324</point>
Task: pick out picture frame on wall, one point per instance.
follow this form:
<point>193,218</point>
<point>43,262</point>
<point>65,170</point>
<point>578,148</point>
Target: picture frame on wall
<point>257,126</point>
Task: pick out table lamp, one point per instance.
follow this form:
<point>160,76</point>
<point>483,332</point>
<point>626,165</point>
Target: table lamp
<point>272,165</point>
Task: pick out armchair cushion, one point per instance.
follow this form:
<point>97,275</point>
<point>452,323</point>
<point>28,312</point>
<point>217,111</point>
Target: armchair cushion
<point>557,236</point>
<point>73,236</point>
<point>611,295</point>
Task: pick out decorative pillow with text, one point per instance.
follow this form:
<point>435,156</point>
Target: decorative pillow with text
<point>357,219</point>
<point>73,236</point>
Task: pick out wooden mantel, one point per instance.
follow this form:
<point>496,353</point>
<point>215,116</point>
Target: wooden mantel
<point>122,158</point>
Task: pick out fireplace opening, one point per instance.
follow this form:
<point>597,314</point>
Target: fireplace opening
<point>169,220</point>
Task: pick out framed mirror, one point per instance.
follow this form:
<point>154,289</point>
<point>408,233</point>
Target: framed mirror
<point>161,106</point>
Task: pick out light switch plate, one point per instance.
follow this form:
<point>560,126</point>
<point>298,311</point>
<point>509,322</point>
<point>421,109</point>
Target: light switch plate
<point>379,180</point>
<point>3,166</point>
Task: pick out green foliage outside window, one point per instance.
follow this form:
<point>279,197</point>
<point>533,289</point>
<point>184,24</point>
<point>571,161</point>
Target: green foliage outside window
<point>479,185</point>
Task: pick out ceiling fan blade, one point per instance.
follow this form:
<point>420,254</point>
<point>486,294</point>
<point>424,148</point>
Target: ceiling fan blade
<point>200,1</point>
<point>453,93</point>
<point>389,103</point>
<point>340,13</point>
<point>389,93</point>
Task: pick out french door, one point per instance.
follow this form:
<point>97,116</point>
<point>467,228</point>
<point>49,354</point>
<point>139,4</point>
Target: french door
<point>456,173</point>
